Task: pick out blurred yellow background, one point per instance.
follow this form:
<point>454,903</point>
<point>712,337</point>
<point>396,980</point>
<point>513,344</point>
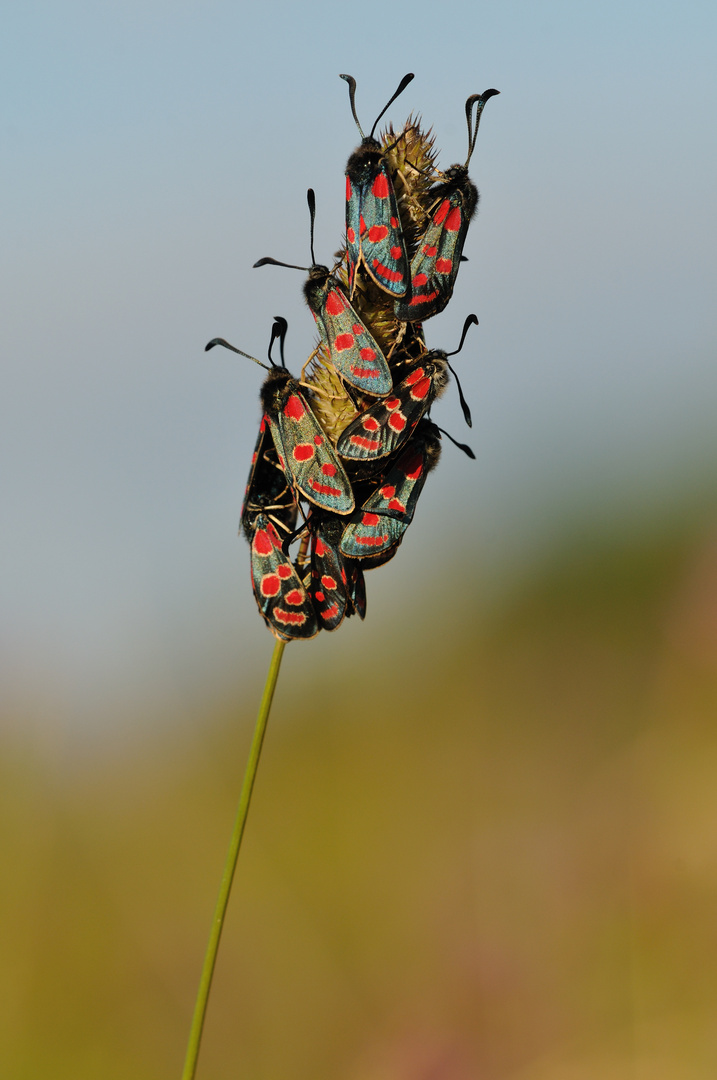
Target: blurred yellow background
<point>488,852</point>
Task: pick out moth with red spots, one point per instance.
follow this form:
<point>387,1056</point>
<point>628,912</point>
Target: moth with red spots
<point>304,450</point>
<point>386,425</point>
<point>378,527</point>
<point>278,590</point>
<point>373,226</point>
<point>337,587</point>
<point>268,490</point>
<point>434,267</point>
<point>355,354</point>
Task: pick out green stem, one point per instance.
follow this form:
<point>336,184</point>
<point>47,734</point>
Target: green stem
<point>210,958</point>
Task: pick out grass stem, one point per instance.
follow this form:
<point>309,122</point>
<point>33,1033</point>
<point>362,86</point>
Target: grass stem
<point>210,958</point>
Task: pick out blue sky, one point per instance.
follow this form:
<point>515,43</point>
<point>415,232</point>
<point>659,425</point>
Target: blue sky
<point>152,152</point>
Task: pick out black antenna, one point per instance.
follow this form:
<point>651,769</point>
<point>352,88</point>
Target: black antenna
<point>278,330</point>
<point>222,341</point>
<point>461,446</point>
<point>311,200</point>
<point>479,100</point>
<point>471,320</point>
<point>268,261</point>
<point>352,98</point>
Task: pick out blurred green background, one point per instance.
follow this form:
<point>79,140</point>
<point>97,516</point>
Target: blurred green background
<point>483,843</point>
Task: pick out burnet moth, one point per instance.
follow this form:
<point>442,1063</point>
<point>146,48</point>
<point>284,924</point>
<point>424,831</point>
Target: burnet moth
<point>377,528</point>
<point>434,266</point>
<point>373,226</point>
<point>355,354</point>
<point>386,425</point>
<point>267,491</point>
<point>337,587</point>
<point>278,590</point>
<point>305,452</point>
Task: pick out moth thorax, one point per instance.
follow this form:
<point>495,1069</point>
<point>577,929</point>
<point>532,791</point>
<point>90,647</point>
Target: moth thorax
<point>433,452</point>
<point>362,165</point>
<point>315,286</point>
<point>441,376</point>
<point>272,392</point>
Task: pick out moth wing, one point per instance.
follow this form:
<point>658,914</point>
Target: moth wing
<point>435,265</point>
<point>386,425</point>
<point>278,590</point>
<point>355,353</point>
<point>308,457</point>
<point>383,249</point>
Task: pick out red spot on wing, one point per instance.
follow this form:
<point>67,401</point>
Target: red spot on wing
<point>453,221</point>
<point>270,585</point>
<point>383,271</point>
<point>377,233</point>
<point>396,252</point>
<point>328,469</point>
<point>441,212</point>
<point>394,223</point>
<point>370,423</point>
<point>295,598</point>
<point>342,342</point>
<point>364,373</point>
<point>396,504</point>
<point>420,279</point>
<point>421,389</point>
<point>351,235</point>
<point>334,302</point>
<point>371,541</point>
<point>284,571</point>
<point>388,491</point>
<point>414,466</point>
<point>320,547</point>
<point>370,519</point>
<point>262,543</point>
<point>429,250</point>
<point>414,377</point>
<point>368,354</point>
<point>392,403</point>
<point>365,444</point>
<point>331,611</point>
<point>289,618</point>
<point>318,440</point>
<point>397,421</point>
<point>358,329</point>
<point>325,489</point>
<point>303,452</point>
<point>426,298</point>
<point>348,189</point>
<point>294,408</point>
<point>362,225</point>
<point>444,266</point>
<point>328,582</point>
<point>379,187</point>
<point>318,595</point>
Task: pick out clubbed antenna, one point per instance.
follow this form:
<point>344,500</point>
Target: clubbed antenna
<point>352,98</point>
<point>471,320</point>
<point>479,100</point>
